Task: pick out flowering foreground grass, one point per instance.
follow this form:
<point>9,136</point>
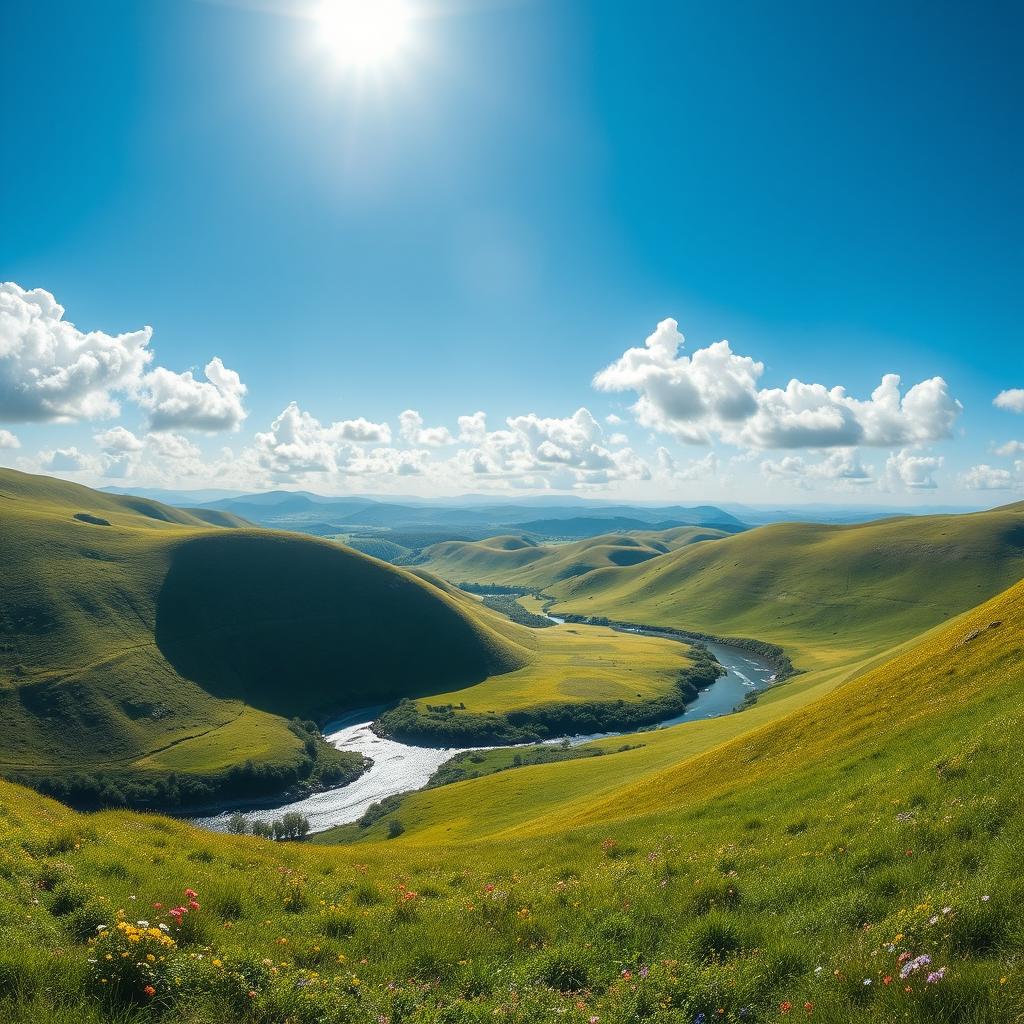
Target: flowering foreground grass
<point>857,861</point>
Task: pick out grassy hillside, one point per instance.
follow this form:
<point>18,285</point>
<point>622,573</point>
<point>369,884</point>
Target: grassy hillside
<point>828,594</point>
<point>580,680</point>
<point>138,643</point>
<point>521,562</point>
<point>802,869</point>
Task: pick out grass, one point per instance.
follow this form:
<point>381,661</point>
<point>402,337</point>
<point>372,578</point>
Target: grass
<point>821,846</point>
<point>159,646</point>
<point>829,595</point>
<point>575,663</point>
<point>581,679</point>
<point>522,562</point>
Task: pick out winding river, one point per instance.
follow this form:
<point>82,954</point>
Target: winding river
<point>400,767</point>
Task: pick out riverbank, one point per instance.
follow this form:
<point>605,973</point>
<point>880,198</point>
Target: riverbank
<point>401,768</point>
<point>429,724</point>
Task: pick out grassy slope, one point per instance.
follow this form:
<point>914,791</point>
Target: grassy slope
<point>578,663</point>
<point>520,562</point>
<point>159,643</point>
<point>881,819</point>
<point>828,594</point>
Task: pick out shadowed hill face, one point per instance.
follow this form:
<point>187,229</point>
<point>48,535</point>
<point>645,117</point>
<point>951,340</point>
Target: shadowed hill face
<point>826,593</point>
<point>302,626</point>
<point>134,641</point>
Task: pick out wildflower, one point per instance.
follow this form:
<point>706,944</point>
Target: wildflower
<point>594,1019</point>
<point>101,927</point>
<point>818,969</point>
<point>914,965</point>
<point>985,899</point>
<point>936,976</point>
<point>190,894</point>
<point>867,981</point>
<point>150,991</point>
<point>644,971</point>
<point>808,1007</point>
<point>627,975</point>
<point>699,1019</point>
<point>947,910</point>
<point>934,919</point>
<point>785,1006</point>
<point>887,980</point>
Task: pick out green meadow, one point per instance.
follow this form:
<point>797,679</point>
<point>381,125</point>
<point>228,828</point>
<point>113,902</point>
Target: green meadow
<point>844,849</point>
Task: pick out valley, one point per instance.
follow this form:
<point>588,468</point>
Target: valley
<point>668,858</point>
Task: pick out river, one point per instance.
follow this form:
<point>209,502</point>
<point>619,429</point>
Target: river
<point>401,767</point>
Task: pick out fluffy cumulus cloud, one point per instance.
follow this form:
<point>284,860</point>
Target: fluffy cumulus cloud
<point>696,469</point>
<point>912,470</point>
<point>118,440</point>
<point>473,428</point>
<point>411,428</point>
<point>715,393</point>
<point>177,401</point>
<point>298,444</point>
<point>547,452</point>
<point>1011,448</point>
<point>65,460</point>
<point>990,478</point>
<point>1011,400</point>
<point>841,467</point>
<point>50,370</point>
<point>8,440</point>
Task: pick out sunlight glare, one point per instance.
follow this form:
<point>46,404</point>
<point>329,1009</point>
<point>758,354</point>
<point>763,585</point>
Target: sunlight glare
<point>364,33</point>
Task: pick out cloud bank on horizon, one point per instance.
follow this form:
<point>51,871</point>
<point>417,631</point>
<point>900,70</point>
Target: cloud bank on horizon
<point>806,435</point>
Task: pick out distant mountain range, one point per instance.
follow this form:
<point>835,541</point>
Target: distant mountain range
<point>564,518</point>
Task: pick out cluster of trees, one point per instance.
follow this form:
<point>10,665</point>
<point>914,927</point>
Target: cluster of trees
<point>447,726</point>
<point>508,605</point>
<point>495,589</point>
<point>319,766</point>
<point>291,825</point>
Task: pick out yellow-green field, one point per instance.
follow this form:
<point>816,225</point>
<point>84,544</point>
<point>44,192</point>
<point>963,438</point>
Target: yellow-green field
<point>790,861</point>
<point>578,663</point>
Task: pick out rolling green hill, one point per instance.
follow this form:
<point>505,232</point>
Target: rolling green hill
<point>827,594</point>
<point>138,642</point>
<point>522,562</point>
<point>851,856</point>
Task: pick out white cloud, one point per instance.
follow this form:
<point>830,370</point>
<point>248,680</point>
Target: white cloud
<point>50,370</point>
<point>118,440</point>
<point>840,468</point>
<point>715,392</point>
<point>362,431</point>
<point>64,460</point>
<point>538,451</point>
<point>618,440</point>
<point>1011,400</point>
<point>473,428</point>
<point>177,401</point>
<point>8,440</point>
<point>410,426</point>
<point>695,469</point>
<point>614,419</point>
<point>297,443</point>
<point>988,478</point>
<point>1011,448</point>
<point>915,472</point>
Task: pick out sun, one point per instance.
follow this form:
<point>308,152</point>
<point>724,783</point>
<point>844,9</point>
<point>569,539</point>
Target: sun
<point>364,33</point>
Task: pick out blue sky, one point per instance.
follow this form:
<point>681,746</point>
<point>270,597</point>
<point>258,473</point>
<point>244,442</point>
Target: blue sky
<point>495,216</point>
